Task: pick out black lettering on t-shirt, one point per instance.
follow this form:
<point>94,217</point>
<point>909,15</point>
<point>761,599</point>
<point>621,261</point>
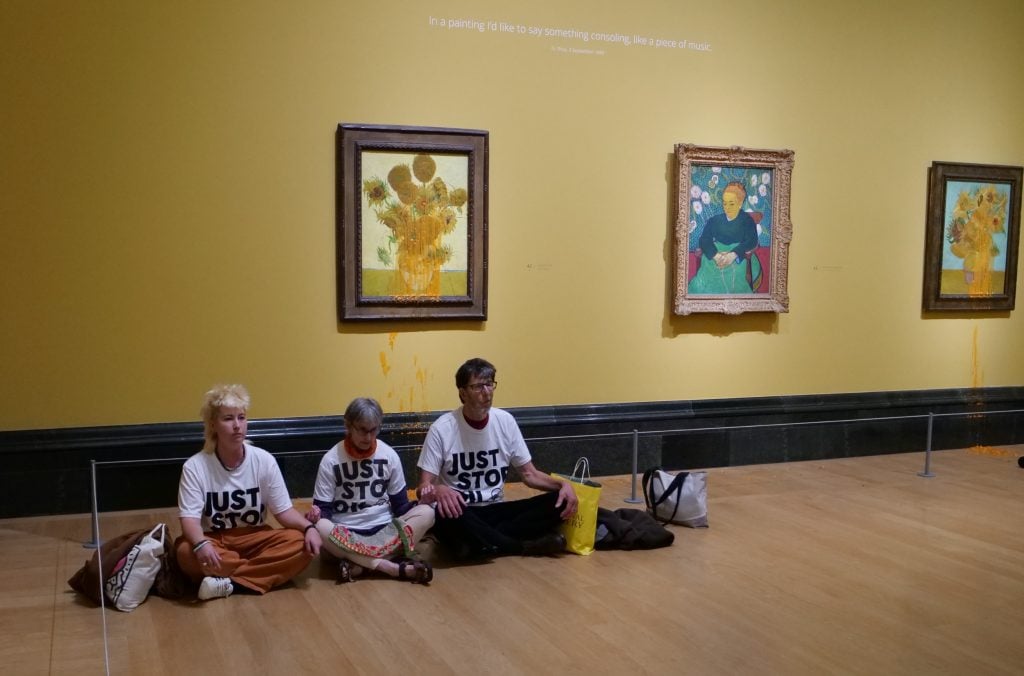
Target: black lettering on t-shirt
<point>226,508</point>
<point>366,468</point>
<point>345,507</point>
<point>471,460</point>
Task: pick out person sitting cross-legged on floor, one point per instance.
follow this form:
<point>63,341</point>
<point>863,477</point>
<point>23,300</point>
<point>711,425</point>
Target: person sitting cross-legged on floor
<point>465,459</point>
<point>360,506</point>
<point>224,495</point>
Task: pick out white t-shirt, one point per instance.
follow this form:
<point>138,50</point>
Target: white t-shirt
<point>232,499</point>
<point>474,462</point>
<point>357,489</point>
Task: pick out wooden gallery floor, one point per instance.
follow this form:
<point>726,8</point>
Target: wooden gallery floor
<point>853,566</point>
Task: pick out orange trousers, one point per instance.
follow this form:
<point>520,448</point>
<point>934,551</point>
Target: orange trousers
<point>256,557</point>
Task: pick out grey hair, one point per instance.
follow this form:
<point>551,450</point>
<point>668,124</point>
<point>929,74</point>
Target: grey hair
<point>366,410</point>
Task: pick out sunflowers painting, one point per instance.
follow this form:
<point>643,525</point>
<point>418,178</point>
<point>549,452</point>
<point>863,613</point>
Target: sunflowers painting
<point>411,222</point>
<point>974,260</point>
<point>416,246</point>
<point>970,254</point>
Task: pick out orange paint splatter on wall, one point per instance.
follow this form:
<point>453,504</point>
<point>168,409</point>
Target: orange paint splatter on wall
<point>400,382</point>
<point>976,374</point>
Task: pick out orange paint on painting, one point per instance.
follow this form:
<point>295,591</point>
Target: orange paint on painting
<point>392,337</point>
<point>384,367</point>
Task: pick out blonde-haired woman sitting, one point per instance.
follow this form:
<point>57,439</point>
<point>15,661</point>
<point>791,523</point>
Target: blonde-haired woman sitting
<point>225,493</point>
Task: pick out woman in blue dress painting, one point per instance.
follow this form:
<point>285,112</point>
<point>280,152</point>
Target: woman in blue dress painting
<point>728,264</point>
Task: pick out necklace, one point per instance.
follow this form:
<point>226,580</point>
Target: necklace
<point>236,465</point>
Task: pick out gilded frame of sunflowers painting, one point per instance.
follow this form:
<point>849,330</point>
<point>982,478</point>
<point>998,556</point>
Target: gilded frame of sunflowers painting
<point>411,222</point>
<point>971,237</point>
<point>732,230</point>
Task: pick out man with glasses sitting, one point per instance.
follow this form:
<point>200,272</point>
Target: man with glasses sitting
<point>463,466</point>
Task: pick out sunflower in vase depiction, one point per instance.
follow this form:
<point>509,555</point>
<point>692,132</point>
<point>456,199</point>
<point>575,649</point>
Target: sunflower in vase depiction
<point>416,244</point>
<point>974,253</point>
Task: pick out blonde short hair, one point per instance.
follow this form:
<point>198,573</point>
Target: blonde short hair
<point>218,397</point>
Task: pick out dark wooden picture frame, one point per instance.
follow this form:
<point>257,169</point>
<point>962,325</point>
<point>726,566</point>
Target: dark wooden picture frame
<point>411,222</point>
<point>971,237</point>
<point>737,201</point>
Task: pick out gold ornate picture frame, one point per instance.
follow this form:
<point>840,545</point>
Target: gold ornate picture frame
<point>411,222</point>
<point>733,230</point>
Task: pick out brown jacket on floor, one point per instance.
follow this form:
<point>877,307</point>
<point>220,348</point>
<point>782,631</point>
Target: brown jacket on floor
<point>630,529</point>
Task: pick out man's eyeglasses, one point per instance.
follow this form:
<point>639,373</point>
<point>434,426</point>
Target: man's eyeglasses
<point>480,387</point>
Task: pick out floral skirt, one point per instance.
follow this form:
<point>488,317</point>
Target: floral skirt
<point>394,539</point>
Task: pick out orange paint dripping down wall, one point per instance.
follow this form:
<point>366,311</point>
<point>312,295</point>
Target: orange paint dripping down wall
<point>976,375</point>
<point>405,404</point>
<point>976,382</point>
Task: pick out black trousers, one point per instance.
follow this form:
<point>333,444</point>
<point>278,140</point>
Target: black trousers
<point>499,528</point>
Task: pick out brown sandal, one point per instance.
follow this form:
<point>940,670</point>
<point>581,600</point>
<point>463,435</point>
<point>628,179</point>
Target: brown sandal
<point>345,572</point>
<point>422,572</point>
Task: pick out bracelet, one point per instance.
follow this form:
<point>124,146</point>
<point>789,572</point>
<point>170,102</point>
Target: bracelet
<point>306,529</point>
<point>199,545</point>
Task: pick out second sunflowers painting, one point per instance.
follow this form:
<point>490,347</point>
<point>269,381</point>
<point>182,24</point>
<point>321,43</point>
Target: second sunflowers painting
<point>973,225</point>
<point>412,222</point>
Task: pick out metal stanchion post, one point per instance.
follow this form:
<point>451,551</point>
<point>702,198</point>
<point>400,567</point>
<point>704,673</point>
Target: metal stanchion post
<point>95,542</point>
<point>636,451</point>
<point>928,449</point>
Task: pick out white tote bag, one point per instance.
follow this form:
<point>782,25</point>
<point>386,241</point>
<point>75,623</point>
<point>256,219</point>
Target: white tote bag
<point>133,576</point>
<point>680,498</point>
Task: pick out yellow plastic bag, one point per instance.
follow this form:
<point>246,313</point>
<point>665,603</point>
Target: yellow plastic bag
<point>579,529</point>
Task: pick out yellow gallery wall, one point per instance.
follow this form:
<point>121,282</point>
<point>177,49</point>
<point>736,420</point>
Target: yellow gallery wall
<point>167,197</point>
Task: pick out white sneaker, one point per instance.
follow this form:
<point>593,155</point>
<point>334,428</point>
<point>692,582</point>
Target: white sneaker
<point>215,588</point>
